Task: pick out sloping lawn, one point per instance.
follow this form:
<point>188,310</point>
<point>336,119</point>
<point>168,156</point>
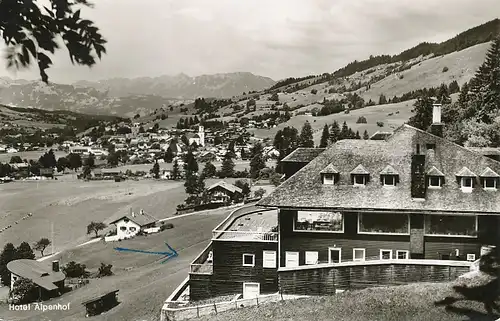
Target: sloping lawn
<point>413,302</point>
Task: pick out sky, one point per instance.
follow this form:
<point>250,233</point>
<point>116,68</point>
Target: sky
<point>273,38</point>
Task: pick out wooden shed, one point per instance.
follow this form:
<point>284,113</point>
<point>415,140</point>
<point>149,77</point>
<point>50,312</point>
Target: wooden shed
<point>101,303</point>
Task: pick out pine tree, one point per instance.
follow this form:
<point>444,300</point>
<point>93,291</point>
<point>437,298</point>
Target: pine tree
<point>156,170</point>
<point>209,170</point>
<point>190,164</point>
<point>8,254</point>
<point>365,135</point>
<point>325,136</point>
<point>335,132</point>
<point>344,132</point>
<point>175,170</point>
<point>357,135</point>
<point>443,97</point>
<point>464,95</point>
<point>257,163</point>
<point>382,100</point>
<point>227,168</point>
<point>454,87</point>
<point>286,141</point>
<point>169,155</point>
<point>423,113</point>
<point>24,251</point>
<point>306,136</point>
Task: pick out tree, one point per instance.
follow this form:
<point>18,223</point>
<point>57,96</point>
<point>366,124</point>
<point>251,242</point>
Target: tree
<point>169,155</point>
<point>365,135</point>
<point>8,254</point>
<point>257,163</point>
<point>41,245</point>
<point>104,270</point>
<point>275,179</point>
<point>344,132</point>
<point>75,270</point>
<point>453,87</point>
<point>464,95</point>
<point>15,159</point>
<point>185,140</point>
<point>306,136</point>
<point>443,97</point>
<point>286,141</point>
<point>335,132</point>
<point>62,164</point>
<point>357,135</point>
<point>260,192</point>
<point>190,164</point>
<point>75,161</point>
<point>24,251</point>
<point>48,160</point>
<point>209,170</point>
<point>382,100</point>
<point>156,170</point>
<point>245,187</point>
<point>243,154</point>
<point>95,227</point>
<point>24,291</point>
<point>227,168</point>
<point>113,158</point>
<point>30,34</point>
<point>325,137</point>
<point>90,161</point>
<point>423,113</point>
<point>175,170</point>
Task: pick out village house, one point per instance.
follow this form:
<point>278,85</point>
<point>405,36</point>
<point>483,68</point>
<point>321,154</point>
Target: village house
<point>49,281</point>
<point>130,225</point>
<point>222,192</point>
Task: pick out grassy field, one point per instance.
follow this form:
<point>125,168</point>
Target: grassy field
<point>35,155</point>
<point>413,302</point>
<point>71,204</point>
<point>143,282</point>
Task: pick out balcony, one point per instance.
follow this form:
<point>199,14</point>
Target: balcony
<point>252,225</point>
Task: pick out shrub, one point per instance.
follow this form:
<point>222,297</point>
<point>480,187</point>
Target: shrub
<point>166,226</point>
<point>445,69</point>
<point>380,124</point>
<point>314,91</point>
<point>260,192</point>
<point>104,270</point>
<point>361,120</point>
<point>75,270</point>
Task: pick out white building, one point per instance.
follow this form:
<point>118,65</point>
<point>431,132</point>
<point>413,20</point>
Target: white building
<point>198,138</point>
<point>130,225</point>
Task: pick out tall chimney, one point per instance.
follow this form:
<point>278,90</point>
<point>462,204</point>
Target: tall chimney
<point>55,266</point>
<point>437,126</point>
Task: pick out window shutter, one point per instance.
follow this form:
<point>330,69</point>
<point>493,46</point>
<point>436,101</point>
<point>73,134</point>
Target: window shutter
<point>352,179</point>
<point>396,178</point>
<point>473,179</point>
<point>367,178</point>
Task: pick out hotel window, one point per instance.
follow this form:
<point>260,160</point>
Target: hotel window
<point>358,254</point>
<point>467,183</point>
<point>389,180</point>
<point>435,181</point>
<point>490,183</point>
<point>451,225</point>
<point>328,179</point>
<point>386,254</point>
<point>402,255</point>
<point>359,180</point>
<point>471,257</point>
<point>248,259</point>
<point>269,259</point>
<point>386,223</point>
<point>316,221</point>
<point>311,257</point>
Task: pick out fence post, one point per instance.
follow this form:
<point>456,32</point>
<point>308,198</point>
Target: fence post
<point>198,311</point>
<point>257,300</point>
<point>215,307</point>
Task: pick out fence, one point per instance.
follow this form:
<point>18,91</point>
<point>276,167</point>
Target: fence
<point>245,235</point>
<point>170,313</point>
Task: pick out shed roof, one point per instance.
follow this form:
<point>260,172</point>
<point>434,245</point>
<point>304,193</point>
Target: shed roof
<point>465,172</point>
<point>389,170</point>
<point>330,169</point>
<point>488,172</point>
<point>141,219</point>
<point>37,272</point>
<point>303,155</point>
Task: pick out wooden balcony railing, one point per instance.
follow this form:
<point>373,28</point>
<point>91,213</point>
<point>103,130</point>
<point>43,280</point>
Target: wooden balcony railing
<point>244,236</point>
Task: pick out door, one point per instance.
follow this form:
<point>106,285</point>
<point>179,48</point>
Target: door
<point>334,254</point>
<point>292,259</point>
<point>251,290</point>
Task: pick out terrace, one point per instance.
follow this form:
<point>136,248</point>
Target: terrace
<point>246,224</point>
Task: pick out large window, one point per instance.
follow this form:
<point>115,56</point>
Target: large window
<point>448,225</point>
<point>314,221</point>
<point>377,223</point>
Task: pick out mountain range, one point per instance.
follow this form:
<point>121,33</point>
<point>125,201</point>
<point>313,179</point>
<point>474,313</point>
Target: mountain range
<point>126,97</point>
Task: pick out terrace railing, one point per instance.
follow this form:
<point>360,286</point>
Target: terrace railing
<point>244,236</point>
<point>206,268</point>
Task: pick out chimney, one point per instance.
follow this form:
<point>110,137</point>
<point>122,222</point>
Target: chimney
<point>437,126</point>
<point>142,211</point>
<point>55,266</point>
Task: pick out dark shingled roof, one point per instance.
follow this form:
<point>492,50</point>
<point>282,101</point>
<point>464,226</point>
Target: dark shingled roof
<point>303,155</point>
<point>140,219</point>
<point>37,272</point>
<point>389,170</point>
<point>330,169</point>
<point>485,150</point>
<point>360,170</point>
<point>230,187</point>
<point>488,172</point>
<point>465,172</point>
<point>305,189</point>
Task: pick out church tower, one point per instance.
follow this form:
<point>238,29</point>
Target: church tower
<point>201,134</point>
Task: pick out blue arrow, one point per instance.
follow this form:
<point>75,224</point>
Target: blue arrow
<point>168,255</point>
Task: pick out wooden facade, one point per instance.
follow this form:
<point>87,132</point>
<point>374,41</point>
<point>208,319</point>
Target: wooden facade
<point>418,245</point>
<point>229,273</point>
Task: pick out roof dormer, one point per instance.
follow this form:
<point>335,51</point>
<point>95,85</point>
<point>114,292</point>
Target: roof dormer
<point>360,176</point>
<point>389,176</point>
<point>467,179</point>
<point>329,175</point>
<point>435,178</point>
<point>489,179</point>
